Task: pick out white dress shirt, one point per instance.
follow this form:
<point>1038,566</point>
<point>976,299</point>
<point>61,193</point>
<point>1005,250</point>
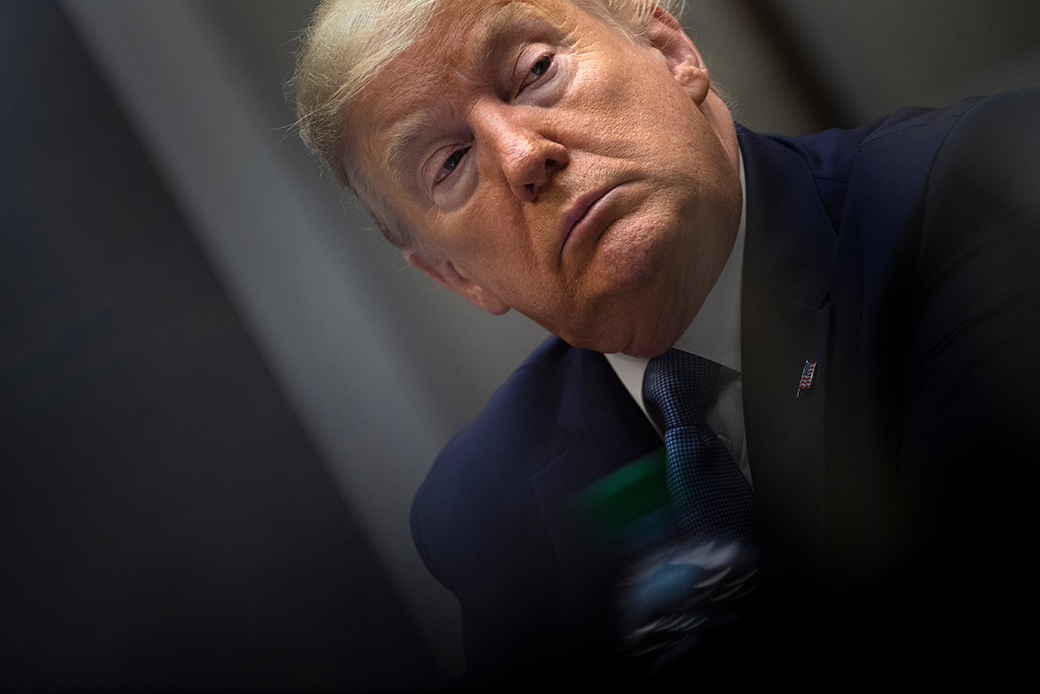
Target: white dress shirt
<point>715,335</point>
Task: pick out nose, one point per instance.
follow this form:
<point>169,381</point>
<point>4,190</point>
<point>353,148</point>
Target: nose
<point>524,150</point>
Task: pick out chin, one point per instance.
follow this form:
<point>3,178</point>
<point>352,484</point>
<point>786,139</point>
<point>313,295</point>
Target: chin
<point>628,330</point>
<point>632,251</point>
<point>650,343</point>
<point>619,342</point>
<point>633,284</point>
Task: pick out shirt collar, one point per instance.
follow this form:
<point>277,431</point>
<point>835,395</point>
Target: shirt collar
<point>715,331</point>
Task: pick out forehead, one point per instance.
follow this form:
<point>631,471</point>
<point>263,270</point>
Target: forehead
<point>464,33</point>
<point>454,54</point>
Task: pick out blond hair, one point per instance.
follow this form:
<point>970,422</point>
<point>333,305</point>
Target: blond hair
<point>346,45</point>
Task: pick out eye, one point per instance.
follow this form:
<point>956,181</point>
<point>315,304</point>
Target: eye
<point>450,165</point>
<point>540,67</point>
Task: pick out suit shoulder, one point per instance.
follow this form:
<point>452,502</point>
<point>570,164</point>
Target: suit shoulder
<point>478,491</point>
<point>974,130</point>
<point>832,154</point>
<point>974,303</point>
<point>528,401</point>
<point>995,145</point>
<point>982,215</point>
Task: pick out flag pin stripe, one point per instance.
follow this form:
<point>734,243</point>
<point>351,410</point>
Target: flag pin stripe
<point>807,375</point>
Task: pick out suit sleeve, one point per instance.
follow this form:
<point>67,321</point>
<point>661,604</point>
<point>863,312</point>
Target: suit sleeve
<point>972,392</point>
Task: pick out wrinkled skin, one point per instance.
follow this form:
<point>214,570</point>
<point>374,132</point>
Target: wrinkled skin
<point>493,133</point>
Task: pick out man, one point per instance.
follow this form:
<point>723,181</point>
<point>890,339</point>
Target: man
<point>571,161</point>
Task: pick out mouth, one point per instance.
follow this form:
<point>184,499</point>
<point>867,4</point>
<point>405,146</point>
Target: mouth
<point>581,214</point>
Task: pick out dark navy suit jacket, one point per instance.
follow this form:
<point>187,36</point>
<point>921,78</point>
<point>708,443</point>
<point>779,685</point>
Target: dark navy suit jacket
<point>903,258</point>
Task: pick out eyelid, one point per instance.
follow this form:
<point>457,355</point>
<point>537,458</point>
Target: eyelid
<point>526,62</point>
<point>535,64</point>
<point>442,172</point>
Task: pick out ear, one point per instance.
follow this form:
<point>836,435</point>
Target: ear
<point>666,35</point>
<point>444,273</point>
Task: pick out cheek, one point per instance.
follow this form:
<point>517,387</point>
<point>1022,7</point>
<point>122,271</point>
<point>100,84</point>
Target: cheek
<point>488,246</point>
<point>630,110</point>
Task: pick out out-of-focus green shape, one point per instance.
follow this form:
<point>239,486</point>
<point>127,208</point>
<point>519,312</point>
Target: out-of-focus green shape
<point>628,505</point>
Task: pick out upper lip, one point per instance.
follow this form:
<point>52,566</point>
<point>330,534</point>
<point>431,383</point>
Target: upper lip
<point>579,208</point>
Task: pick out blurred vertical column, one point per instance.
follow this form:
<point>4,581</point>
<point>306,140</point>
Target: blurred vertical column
<point>327,333</point>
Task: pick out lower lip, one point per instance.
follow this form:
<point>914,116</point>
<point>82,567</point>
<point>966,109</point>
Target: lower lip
<point>588,220</point>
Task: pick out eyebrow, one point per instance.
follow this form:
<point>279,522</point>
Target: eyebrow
<point>502,22</point>
<point>401,137</point>
<point>505,20</point>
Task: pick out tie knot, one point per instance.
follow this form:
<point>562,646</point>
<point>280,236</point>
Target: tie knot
<point>681,387</point>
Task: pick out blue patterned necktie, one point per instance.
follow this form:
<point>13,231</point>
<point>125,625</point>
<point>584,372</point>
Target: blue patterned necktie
<point>709,495</point>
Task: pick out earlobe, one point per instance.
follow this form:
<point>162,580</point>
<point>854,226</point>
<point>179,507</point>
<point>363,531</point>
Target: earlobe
<point>443,272</point>
<point>667,36</point>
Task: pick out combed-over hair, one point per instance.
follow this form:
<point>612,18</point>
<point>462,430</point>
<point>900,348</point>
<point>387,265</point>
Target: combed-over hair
<point>346,45</point>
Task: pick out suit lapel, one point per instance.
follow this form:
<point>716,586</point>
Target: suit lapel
<point>786,312</point>
<point>609,431</point>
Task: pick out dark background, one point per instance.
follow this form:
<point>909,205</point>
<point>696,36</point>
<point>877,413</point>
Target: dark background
<point>164,521</point>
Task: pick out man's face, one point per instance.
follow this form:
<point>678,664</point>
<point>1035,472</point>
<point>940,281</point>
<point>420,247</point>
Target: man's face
<point>545,162</point>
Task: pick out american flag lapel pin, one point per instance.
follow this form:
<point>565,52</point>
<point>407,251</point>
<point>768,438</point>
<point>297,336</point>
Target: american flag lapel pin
<point>807,373</point>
